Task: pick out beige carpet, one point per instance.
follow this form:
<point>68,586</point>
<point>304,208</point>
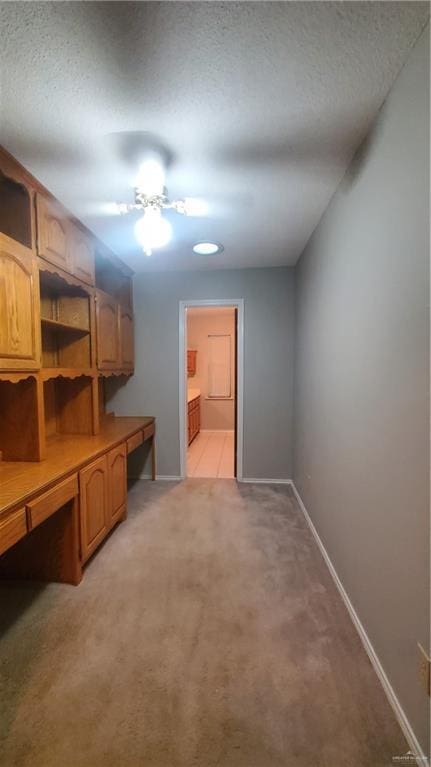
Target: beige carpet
<point>207,632</point>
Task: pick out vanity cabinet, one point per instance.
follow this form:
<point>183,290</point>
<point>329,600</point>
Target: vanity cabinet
<point>191,362</point>
<point>194,418</point>
<point>19,307</point>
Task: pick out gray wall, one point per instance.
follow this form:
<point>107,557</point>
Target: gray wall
<point>268,361</point>
<point>361,424</point>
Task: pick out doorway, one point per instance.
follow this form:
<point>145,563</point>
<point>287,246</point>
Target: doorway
<point>211,388</point>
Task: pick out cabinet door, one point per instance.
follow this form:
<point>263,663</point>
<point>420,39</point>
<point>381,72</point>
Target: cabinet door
<point>94,508</point>
<point>127,339</point>
<point>19,307</point>
<point>52,233</point>
<point>117,467</point>
<point>81,255</point>
<point>108,332</point>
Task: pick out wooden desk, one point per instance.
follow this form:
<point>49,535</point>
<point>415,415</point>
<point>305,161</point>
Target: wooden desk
<point>54,513</point>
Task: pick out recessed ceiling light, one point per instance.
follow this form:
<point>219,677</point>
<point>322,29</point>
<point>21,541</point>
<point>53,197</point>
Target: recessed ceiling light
<point>207,248</point>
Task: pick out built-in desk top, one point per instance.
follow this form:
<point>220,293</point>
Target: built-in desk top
<point>66,453</point>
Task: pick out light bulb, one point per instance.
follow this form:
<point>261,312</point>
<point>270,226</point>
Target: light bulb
<point>152,230</point>
<point>207,248</point>
<point>151,177</point>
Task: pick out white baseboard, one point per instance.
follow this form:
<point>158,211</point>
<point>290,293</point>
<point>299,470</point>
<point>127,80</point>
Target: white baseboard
<point>399,712</point>
<point>266,481</point>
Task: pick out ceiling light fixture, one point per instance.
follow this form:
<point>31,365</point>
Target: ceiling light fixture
<point>207,248</point>
<point>152,230</point>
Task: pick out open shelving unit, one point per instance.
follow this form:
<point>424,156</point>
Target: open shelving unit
<point>67,323</point>
<point>15,210</point>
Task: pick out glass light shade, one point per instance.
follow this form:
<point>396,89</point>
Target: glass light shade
<point>152,231</point>
<point>207,248</point>
<point>151,177</point>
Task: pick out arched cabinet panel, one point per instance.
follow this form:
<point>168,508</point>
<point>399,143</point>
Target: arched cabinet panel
<point>81,254</point>
<point>108,335</point>
<point>94,489</point>
<point>52,233</point>
<point>19,298</point>
<point>117,468</point>
<point>126,340</point>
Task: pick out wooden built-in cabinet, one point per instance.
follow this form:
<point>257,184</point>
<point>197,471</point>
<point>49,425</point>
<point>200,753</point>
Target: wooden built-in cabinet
<point>73,499</point>
<point>12,529</point>
<point>117,478</point>
<point>94,502</point>
<point>66,325</point>
<point>127,345</point>
<point>52,233</point>
<point>108,332</point>
<point>191,362</point>
<point>19,307</point>
<point>62,242</point>
<point>115,334</point>
<point>82,254</point>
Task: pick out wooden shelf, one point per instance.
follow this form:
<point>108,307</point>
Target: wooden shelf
<point>47,373</point>
<point>15,376</point>
<point>57,325</point>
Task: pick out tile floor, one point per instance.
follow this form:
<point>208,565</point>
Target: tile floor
<point>211,454</point>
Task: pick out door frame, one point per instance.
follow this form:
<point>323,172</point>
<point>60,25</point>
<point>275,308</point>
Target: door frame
<point>235,303</point>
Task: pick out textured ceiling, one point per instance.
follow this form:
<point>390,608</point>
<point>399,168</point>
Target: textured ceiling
<point>262,105</point>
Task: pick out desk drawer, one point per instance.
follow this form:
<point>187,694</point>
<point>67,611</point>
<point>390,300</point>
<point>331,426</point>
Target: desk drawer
<point>48,503</point>
<point>135,441</point>
<point>149,431</point>
<point>12,528</point>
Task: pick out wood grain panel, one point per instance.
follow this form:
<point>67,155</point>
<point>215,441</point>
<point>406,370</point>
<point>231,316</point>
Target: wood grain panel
<point>74,399</point>
<point>127,346</point>
<point>48,503</point>
<point>19,306</point>
<point>135,441</point>
<point>21,420</point>
<point>149,431</point>
<point>108,333</point>
<point>52,229</point>
<point>117,467</point>
<point>12,529</point>
<point>94,505</point>
<point>50,552</point>
<point>65,454</point>
<point>81,253</point>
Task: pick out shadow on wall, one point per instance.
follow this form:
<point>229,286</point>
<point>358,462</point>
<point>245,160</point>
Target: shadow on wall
<point>360,159</point>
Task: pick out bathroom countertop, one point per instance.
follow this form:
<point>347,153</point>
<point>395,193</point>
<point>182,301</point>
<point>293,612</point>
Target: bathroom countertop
<point>192,394</point>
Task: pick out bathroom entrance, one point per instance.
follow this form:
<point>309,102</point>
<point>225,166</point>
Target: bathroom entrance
<point>210,390</point>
